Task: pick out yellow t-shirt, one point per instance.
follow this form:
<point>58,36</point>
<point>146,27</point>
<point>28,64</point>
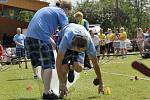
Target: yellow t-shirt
<point>123,36</point>
<point>102,38</point>
<point>111,37</point>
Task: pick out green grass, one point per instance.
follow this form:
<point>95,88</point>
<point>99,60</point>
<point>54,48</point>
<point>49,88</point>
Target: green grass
<point>13,83</point>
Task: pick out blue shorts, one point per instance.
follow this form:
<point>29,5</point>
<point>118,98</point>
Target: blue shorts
<point>40,53</point>
<point>73,56</point>
<point>20,52</point>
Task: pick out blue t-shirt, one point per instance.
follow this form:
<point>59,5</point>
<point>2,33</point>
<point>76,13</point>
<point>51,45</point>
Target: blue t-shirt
<point>45,22</point>
<point>20,39</point>
<point>86,24</point>
<point>69,31</point>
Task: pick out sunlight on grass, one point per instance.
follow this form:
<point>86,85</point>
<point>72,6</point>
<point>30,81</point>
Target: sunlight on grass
<point>14,82</point>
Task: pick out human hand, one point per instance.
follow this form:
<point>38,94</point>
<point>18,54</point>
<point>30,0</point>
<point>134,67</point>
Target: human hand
<point>100,88</point>
<point>63,90</point>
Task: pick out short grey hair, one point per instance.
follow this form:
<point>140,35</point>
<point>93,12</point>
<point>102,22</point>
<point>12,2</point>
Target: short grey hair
<point>18,29</point>
<point>66,4</point>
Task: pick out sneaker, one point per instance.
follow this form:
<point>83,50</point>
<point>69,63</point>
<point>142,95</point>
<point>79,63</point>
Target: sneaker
<point>87,64</point>
<point>60,97</point>
<point>36,77</point>
<point>86,68</point>
<point>71,75</point>
<point>50,96</point>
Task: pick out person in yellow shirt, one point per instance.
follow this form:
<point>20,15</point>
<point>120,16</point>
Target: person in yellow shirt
<point>102,43</point>
<point>123,37</point>
<point>111,37</point>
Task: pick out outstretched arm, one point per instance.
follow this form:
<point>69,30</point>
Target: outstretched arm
<point>98,73</point>
<point>59,59</point>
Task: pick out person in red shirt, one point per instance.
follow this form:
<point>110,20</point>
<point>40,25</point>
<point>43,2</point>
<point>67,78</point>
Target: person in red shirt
<point>1,51</point>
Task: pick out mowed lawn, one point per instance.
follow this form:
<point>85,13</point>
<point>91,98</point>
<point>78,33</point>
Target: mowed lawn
<point>116,73</point>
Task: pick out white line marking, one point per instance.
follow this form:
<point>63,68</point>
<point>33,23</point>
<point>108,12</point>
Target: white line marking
<point>119,74</point>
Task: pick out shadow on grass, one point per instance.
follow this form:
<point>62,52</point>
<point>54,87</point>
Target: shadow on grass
<point>25,99</point>
<point>19,79</point>
<point>36,99</point>
<point>92,97</point>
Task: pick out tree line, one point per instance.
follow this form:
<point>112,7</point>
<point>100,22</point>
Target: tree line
<point>130,14</point>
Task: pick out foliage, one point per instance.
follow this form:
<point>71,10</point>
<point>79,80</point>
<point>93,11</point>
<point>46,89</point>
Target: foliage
<point>17,14</point>
<point>25,15</point>
<point>109,14</point>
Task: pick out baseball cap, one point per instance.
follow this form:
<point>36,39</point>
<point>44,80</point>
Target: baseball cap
<point>122,28</point>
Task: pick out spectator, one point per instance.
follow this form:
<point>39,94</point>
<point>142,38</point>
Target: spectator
<point>79,19</point>
<point>1,51</point>
<point>140,40</point>
<point>123,37</point>
<point>147,39</point>
<point>109,42</point>
<point>56,38</point>
<point>116,43</point>
<point>96,42</point>
<point>102,43</point>
<point>19,41</point>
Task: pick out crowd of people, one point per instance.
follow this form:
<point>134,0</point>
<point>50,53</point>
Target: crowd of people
<point>110,42</point>
<point>116,42</point>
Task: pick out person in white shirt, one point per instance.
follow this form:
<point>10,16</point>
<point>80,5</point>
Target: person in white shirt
<point>96,41</point>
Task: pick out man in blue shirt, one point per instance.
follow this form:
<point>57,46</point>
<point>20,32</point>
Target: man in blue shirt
<point>75,41</point>
<point>19,41</point>
<point>42,26</point>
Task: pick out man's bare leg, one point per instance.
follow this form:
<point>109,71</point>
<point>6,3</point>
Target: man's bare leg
<point>47,76</point>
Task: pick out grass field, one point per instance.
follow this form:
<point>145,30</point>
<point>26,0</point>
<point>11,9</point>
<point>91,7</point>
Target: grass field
<point>13,82</point>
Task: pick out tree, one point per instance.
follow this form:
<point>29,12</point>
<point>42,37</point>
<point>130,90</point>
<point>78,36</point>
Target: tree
<point>25,16</point>
<point>109,14</point>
